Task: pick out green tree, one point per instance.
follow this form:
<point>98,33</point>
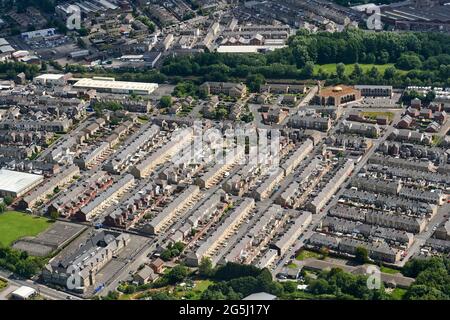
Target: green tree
<point>340,70</point>
<point>361,255</point>
<point>112,295</point>
<point>389,73</point>
<point>161,295</point>
<point>233,270</point>
<point>54,215</point>
<point>254,82</point>
<point>357,71</point>
<point>408,61</point>
<point>177,274</point>
<point>289,286</point>
<point>308,70</point>
<point>221,113</point>
<point>205,269</point>
<point>373,73</point>
<point>165,101</point>
<point>424,292</point>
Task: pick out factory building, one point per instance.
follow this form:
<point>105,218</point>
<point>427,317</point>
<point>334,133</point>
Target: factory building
<point>16,184</point>
<point>103,84</point>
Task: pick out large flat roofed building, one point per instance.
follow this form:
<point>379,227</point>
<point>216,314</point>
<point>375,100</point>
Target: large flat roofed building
<point>52,79</point>
<point>375,91</point>
<point>113,86</point>
<point>16,184</point>
<point>337,96</point>
<point>43,33</point>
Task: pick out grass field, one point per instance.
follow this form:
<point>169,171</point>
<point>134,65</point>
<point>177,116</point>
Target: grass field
<point>15,225</point>
<point>398,293</point>
<point>305,254</point>
<point>374,114</point>
<point>331,67</point>
<point>202,285</point>
<point>389,270</point>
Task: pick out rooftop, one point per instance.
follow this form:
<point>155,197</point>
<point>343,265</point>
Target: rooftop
<point>115,85</point>
<point>17,182</point>
<point>52,76</point>
<point>260,296</point>
<point>337,91</point>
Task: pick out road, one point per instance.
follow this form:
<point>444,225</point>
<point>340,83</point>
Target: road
<point>45,291</point>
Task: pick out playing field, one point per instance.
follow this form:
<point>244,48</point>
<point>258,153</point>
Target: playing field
<point>331,68</point>
<point>15,225</point>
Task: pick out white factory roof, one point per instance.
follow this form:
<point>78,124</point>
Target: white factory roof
<point>110,83</point>
<point>13,181</point>
<point>50,76</point>
<point>23,293</point>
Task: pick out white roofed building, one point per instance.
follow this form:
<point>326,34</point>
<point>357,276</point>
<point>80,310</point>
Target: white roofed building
<point>111,85</point>
<point>16,184</point>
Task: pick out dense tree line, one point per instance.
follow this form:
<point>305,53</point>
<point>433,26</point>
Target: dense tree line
<point>338,284</point>
<point>9,70</point>
<point>432,279</point>
<point>419,58</point>
<point>235,281</point>
<point>353,46</point>
<point>20,262</point>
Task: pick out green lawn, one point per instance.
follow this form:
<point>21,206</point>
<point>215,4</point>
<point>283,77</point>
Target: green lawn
<point>389,270</point>
<point>398,293</point>
<point>15,225</point>
<point>202,285</point>
<point>374,114</point>
<point>331,67</point>
<point>305,254</point>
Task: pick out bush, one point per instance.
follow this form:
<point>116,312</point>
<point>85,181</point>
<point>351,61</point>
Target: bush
<point>165,102</point>
<point>8,200</point>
